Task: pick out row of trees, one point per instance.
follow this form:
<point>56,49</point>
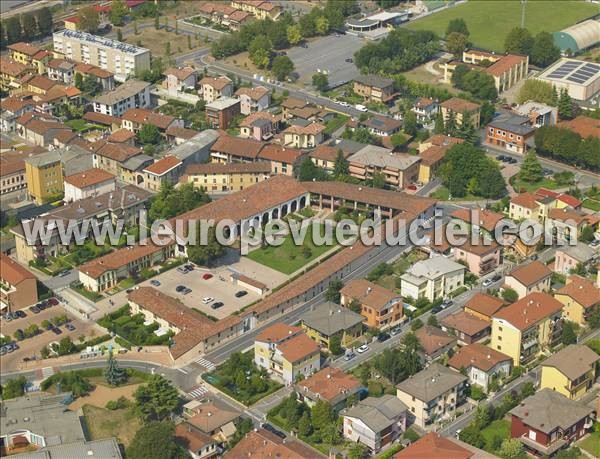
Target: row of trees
<point>401,50</point>
<point>567,146</point>
<point>546,93</point>
<point>26,26</point>
<point>398,365</point>
<point>171,201</point>
<point>480,84</point>
<point>541,49</point>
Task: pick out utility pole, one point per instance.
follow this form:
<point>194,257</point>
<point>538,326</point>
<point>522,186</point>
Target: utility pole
<point>523,2</point>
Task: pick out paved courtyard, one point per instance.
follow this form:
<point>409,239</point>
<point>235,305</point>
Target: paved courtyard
<point>327,53</point>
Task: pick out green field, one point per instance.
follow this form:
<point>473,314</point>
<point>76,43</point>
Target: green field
<point>591,444</point>
<point>499,428</point>
<point>490,21</point>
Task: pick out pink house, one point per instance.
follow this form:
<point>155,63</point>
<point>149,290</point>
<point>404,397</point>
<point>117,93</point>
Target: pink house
<point>259,126</point>
<point>179,79</point>
<point>569,256</point>
<point>480,258</point>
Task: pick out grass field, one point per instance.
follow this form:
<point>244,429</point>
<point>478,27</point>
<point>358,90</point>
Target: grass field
<point>103,423</point>
<point>498,428</point>
<point>155,41</point>
<point>490,21</point>
<point>520,186</point>
<point>289,257</point>
<point>591,444</point>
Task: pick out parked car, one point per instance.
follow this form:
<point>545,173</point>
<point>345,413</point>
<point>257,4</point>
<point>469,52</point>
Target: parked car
<point>500,157</point>
<point>487,282</point>
<point>595,243</point>
<point>241,293</point>
<point>273,430</point>
<point>207,276</point>
<point>56,331</point>
<point>496,277</point>
<point>383,337</point>
<point>64,273</point>
<point>394,331</point>
<point>180,288</point>
<point>21,314</point>
<point>207,299</point>
<point>361,108</point>
<point>216,305</point>
<point>155,282</point>
<point>189,267</point>
<point>447,303</point>
<point>34,309</point>
<point>412,187</point>
<point>344,104</point>
<point>53,301</point>
<point>70,326</point>
<point>50,326</point>
<point>363,348</point>
<point>183,269</point>
<point>436,309</point>
<point>349,59</point>
<point>7,317</point>
<point>349,356</point>
<point>187,291</point>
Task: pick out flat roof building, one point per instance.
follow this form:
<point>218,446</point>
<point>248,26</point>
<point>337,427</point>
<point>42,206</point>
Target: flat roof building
<point>581,79</point>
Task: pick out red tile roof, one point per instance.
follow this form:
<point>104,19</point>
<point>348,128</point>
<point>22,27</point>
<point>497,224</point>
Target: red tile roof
<point>485,304</point>
<point>464,322</point>
<point>92,70</point>
<point>261,444</point>
<point>479,356</point>
<point>369,294</point>
<point>531,273</point>
<point>487,218</point>
<point>329,383</point>
<point>327,153</point>
<point>254,93</point>
<point>12,272</point>
<point>528,200</point>
<point>432,339</point>
<point>236,146</point>
<point>459,105</point>
<point>25,48</point>
<point>120,136</point>
<point>275,152</point>
<point>529,310</point>
<point>433,445</point>
<point>277,332</point>
<point>505,63</point>
<point>582,290</point>
<point>90,177</point>
<point>101,118</point>
<point>164,165</point>
<point>217,83</point>
<point>181,73</point>
<point>297,348</point>
<point>311,129</point>
<point>143,116</point>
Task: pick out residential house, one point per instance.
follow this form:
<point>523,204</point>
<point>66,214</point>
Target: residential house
<point>12,109</point>
<point>261,9</point>
<point>229,149</point>
<point>425,109</point>
<point>61,70</point>
<point>330,385</point>
<point>292,107</point>
<point>572,371</point>
<point>178,79</point>
<point>102,76</point>
<point>548,421</point>
<point>379,306</point>
<point>304,136</point>
<point>254,99</point>
<point>18,286</point>
<point>12,168</point>
<point>213,418</point>
<point>111,123</point>
<point>39,130</point>
<point>434,445</point>
<point>524,329</point>
<point>262,443</point>
<point>439,140</point>
<point>399,169</point>
<point>135,118</point>
<point>482,221</point>
<point>432,395</point>
<point>131,94</point>
<point>466,327</point>
<point>195,442</point>
<point>539,114</point>
<point>330,321</point>
<point>374,88</point>
<point>11,74</point>
<point>579,296</point>
<point>324,156</point>
<point>132,169</point>
<point>221,112</point>
<point>165,171</point>
<point>510,136</point>
<point>528,278</point>
<point>28,54</point>
<point>481,257</point>
<point>90,182</point>
<point>568,257</point>
<point>567,223</point>
<point>178,135</point>
<point>286,352</point>
<point>260,126</point>
<point>375,422</point>
<point>122,135</point>
<point>482,364</point>
<point>456,107</point>
<point>221,177</point>
<point>434,342</point>
<point>537,205</point>
<point>484,306</point>
<point>283,160</point>
<point>431,159</point>
<point>225,15</point>
<point>382,126</point>
<point>112,157</point>
<point>74,22</point>
<point>213,88</point>
<point>434,278</point>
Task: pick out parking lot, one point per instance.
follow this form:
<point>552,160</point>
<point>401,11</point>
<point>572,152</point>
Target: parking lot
<point>32,346</point>
<point>219,286</point>
<point>327,53</point>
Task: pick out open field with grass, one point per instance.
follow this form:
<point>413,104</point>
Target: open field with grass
<point>490,21</point>
<point>104,423</point>
<point>155,41</point>
<point>591,444</point>
<point>521,186</point>
<point>499,428</point>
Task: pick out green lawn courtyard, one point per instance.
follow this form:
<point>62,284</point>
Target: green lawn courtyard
<point>490,21</point>
<point>288,257</point>
<point>591,444</point>
<point>499,428</point>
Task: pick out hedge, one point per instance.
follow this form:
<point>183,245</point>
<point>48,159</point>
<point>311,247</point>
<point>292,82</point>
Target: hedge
<point>123,342</point>
<point>93,342</point>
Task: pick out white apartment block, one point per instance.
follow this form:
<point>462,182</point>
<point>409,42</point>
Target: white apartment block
<point>131,94</point>
<point>434,278</point>
<point>117,57</point>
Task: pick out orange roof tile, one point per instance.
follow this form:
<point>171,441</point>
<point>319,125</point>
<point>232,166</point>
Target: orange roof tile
<point>582,290</point>
<point>277,332</point>
<point>459,105</point>
<point>432,339</point>
<point>465,323</point>
<point>433,445</point>
<point>120,136</point>
<point>25,48</point>
<point>12,272</point>
<point>531,273</point>
<point>529,310</point>
<point>329,384</point>
<point>89,177</point>
<point>369,293</point>
<point>479,356</point>
<point>164,165</point>
<point>297,348</point>
<point>485,304</point>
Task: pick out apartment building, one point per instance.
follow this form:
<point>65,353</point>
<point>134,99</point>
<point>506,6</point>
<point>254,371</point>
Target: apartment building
<point>286,352</point>
<point>432,395</point>
<point>11,72</point>
<point>18,286</point>
<point>536,205</point>
<point>330,321</point>
<point>331,385</point>
<point>532,277</point>
<point>221,112</point>
<point>260,126</point>
<point>569,256</point>
<point>261,9</point>
<point>466,327</point>
<point>90,182</point>
<point>382,126</point>
<point>399,169</point>
<point>510,136</point>
<point>434,342</point>
<point>425,109</point>
<point>213,88</point>
<point>324,156</point>
<point>579,296</point>
<point>219,177</point>
<point>165,171</point>
<point>131,94</point>
<point>481,363</point>
<point>374,88</point>
<point>479,257</point>
<point>178,79</point>
<point>434,278</point>
<point>121,59</point>
<point>135,118</point>
<point>283,160</point>
<point>524,329</point>
<point>304,135</point>
<point>12,168</point>
<point>457,107</point>
<point>572,371</point>
<point>435,445</point>
<point>254,99</point>
<point>379,306</point>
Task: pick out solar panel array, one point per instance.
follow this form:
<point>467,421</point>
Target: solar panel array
<point>577,72</point>
<point>107,42</point>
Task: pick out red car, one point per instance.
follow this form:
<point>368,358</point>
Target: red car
<point>207,276</point>
<point>412,187</point>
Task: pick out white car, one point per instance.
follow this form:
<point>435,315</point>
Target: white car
<point>487,282</point>
<point>363,348</point>
<point>344,104</point>
<point>207,299</point>
<point>361,108</point>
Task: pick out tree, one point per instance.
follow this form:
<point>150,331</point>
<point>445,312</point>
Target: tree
<point>378,180</point>
<point>13,388</point>
<point>88,19</point>
<point>78,80</point>
<point>569,333</point>
<point>410,123</point>
<point>518,41</point>
<point>439,123</point>
<point>544,52</point>
<point>509,295</point>
<point>305,425</point>
<point>149,134</point>
<point>416,324</point>
<point>456,43</point>
<point>358,451</point>
<point>168,48</point>
<point>45,352</point>
<point>398,140</point>
<point>335,345</point>
<point>118,11</point>
<point>486,113</point>
<point>333,291</point>
<point>294,34</point>
<point>90,85</point>
<point>341,166</point>
<point>115,376</point>
<point>43,17</point>
<point>119,35</point>
<point>13,29</point>
<point>156,22</point>
<point>28,25</point>
<point>511,448</point>
<point>322,415</point>
<point>282,67</point>
<point>321,25</point>
<point>565,105</point>
<point>472,435</point>
<point>457,26</point>
<point>204,254</point>
<point>537,91</point>
<point>432,320</point>
<point>66,346</point>
<point>155,440</point>
<point>259,51</point>
<point>531,169</point>
<point>482,417</point>
<point>156,399</point>
<point>309,171</point>
<point>320,81</point>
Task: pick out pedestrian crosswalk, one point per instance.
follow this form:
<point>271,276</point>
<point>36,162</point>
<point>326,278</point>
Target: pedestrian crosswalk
<point>198,392</point>
<point>206,364</point>
<point>47,372</point>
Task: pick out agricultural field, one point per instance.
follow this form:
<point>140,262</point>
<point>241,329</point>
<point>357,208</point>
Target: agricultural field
<point>490,21</point>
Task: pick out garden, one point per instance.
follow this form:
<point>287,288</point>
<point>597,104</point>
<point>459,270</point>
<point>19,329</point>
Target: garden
<point>239,378</point>
<point>592,199</point>
<point>83,126</point>
<point>132,329</point>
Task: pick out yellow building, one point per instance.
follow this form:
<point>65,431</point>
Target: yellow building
<point>11,72</point>
<point>332,320</point>
<point>578,297</point>
<point>524,329</point>
<point>220,178</point>
<point>260,9</point>
<point>44,176</point>
<point>27,54</point>
<point>457,107</point>
<point>572,371</point>
<point>286,353</point>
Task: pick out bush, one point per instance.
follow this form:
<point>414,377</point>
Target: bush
<point>118,404</point>
<point>411,435</point>
<point>123,342</point>
<point>477,393</point>
<point>93,342</point>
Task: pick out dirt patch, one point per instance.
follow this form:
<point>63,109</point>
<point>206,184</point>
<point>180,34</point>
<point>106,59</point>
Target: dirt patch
<point>103,394</point>
<point>242,60</point>
<point>155,41</point>
<point>103,423</point>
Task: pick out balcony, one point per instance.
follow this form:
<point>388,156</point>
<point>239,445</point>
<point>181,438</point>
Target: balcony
<point>543,449</point>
